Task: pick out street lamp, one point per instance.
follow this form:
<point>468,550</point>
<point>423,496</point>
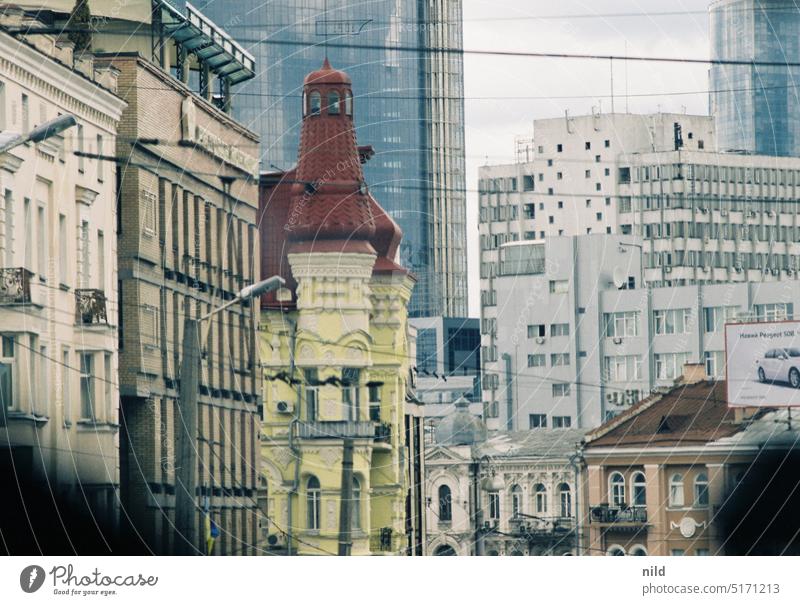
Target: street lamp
<point>38,134</point>
<point>186,454</point>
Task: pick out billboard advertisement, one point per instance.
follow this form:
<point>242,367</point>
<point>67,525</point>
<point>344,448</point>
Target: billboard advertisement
<point>762,364</point>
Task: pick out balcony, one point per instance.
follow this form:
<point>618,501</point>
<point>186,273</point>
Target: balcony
<point>619,516</point>
<point>15,286</point>
<point>337,429</point>
<point>383,433</point>
<point>523,266</point>
<point>532,528</point>
<point>90,307</point>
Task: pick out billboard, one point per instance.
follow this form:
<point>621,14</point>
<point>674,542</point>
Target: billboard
<point>762,364</point>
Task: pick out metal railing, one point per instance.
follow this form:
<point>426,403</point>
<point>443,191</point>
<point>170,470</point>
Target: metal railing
<point>606,513</point>
<point>90,306</point>
<point>336,429</point>
<point>15,285</point>
<point>528,266</point>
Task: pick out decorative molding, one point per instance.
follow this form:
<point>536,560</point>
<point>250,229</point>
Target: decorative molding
<point>9,162</point>
<point>83,195</point>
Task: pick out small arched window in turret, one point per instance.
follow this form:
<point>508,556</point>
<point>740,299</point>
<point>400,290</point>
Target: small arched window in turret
<point>315,103</point>
<point>305,104</point>
<point>333,103</point>
<point>348,102</point>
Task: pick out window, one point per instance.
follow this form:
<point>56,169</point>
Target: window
<point>677,552</point>
<point>108,394</point>
<point>638,551</point>
<point>701,490</point>
<point>148,208</point>
<point>62,250</point>
<point>701,552</point>
<point>676,490</point>
<point>565,500</point>
<point>26,114</point>
<point>315,103</point>
<point>348,103</point>
<point>559,286</point>
<point>536,331</point>
<point>621,324</point>
<point>99,161</point>
<point>562,422</point>
<point>527,182</point>
<point>8,227</point>
<point>445,503</point>
<point>560,389</point>
<point>587,145</point>
<point>313,503</point>
<point>537,421</point>
<point>494,506</point>
<point>587,174</point>
<point>774,312</point>
<point>333,103</point>
<point>559,148</point>
<point>87,387</point>
<point>79,137</point>
<point>83,255</point>
<point>537,360</point>
<point>672,321</point>
<point>540,498</point>
<point>516,500</point>
<point>28,262</point>
<point>7,372</point>
<point>41,242</point>
<point>559,359</point>
<point>714,318</point>
<point>669,366</point>
<point>559,329</point>
<point>312,394</point>
<point>616,489</point>
<point>607,143</point>
<point>639,489</point>
<point>622,368</point>
<point>615,551</point>
<point>101,261</point>
<point>715,363</point>
<point>351,393</point>
<point>66,395</point>
<point>356,508</point>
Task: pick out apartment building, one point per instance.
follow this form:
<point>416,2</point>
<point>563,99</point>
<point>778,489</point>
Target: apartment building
<point>683,474</point>
<point>581,339</point>
<point>59,395</point>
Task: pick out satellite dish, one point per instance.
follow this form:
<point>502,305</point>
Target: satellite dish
<point>619,277</point>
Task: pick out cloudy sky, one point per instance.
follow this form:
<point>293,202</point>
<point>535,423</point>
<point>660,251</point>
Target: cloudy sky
<point>504,95</point>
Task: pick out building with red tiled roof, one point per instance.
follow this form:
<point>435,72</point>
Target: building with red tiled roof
<point>682,473</point>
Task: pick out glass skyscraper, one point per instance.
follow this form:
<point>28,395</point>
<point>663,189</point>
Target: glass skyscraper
<point>756,107</point>
<point>409,89</point>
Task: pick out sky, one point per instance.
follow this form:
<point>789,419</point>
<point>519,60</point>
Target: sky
<point>540,85</point>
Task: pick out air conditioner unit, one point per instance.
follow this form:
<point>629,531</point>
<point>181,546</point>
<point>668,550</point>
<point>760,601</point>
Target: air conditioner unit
<point>775,271</point>
<point>276,541</point>
<point>540,340</point>
<point>723,213</point>
<point>617,340</point>
<point>738,269</point>
<point>769,212</point>
<point>284,407</point>
<point>667,269</point>
<point>751,213</point>
<point>703,210</point>
<point>706,269</point>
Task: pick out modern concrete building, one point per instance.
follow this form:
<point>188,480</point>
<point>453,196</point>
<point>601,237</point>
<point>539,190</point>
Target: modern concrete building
<point>584,340</point>
<point>513,493</point>
<point>755,103</point>
<point>681,473</point>
<point>410,99</point>
<point>686,216</point>
<point>59,397</point>
<point>340,451</point>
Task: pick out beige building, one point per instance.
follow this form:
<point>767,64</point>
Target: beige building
<point>58,278</point>
<point>681,473</point>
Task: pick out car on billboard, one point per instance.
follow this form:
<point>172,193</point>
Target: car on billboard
<point>781,364</point>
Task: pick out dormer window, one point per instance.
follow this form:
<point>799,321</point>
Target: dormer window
<point>315,104</point>
<point>333,103</point>
<point>348,103</point>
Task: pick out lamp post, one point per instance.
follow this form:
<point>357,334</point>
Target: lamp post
<point>44,131</point>
<point>186,433</point>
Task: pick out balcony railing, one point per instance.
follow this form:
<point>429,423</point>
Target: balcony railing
<point>336,429</point>
<point>90,306</point>
<point>383,433</point>
<point>606,513</point>
<point>525,266</point>
<point>381,541</point>
<point>15,285</point>
<point>530,527</point>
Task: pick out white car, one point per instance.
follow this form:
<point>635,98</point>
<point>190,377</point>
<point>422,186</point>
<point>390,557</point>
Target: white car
<point>781,364</point>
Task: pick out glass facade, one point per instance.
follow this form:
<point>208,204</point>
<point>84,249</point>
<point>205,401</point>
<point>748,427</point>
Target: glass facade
<point>408,106</point>
<point>756,107</point>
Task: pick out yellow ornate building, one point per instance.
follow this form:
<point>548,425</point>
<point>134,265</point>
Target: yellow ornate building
<point>334,349</point>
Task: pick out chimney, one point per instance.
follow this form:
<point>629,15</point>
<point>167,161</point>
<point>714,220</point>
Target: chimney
<point>693,373</point>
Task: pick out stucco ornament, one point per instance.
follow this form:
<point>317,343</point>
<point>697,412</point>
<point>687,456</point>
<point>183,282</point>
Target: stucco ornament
<point>687,526</point>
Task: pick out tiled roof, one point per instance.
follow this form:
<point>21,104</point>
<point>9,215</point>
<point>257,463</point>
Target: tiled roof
<point>689,414</point>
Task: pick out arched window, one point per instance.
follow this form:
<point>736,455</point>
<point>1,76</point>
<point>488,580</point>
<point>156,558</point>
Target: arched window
<point>445,503</point>
<point>313,503</point>
<point>356,504</point>
<point>445,550</point>
<point>516,500</point>
<point>315,103</point>
<point>638,551</point>
<point>701,490</point>
<point>333,103</point>
<point>639,489</point>
<point>615,551</point>
<point>616,489</point>
<point>565,500</point>
<point>540,498</point>
<point>348,102</point>
<point>676,490</point>
<point>305,103</point>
